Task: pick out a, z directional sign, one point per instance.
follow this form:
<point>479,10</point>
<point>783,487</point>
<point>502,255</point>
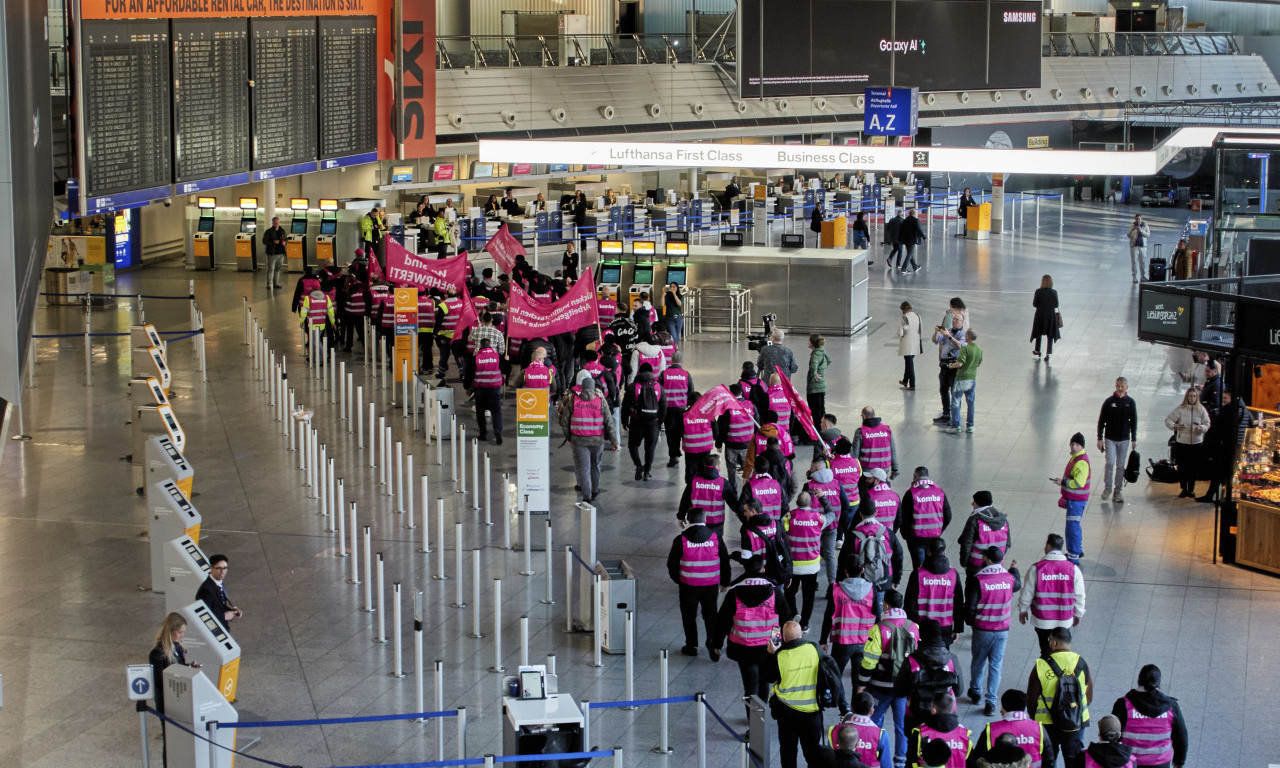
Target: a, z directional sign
<point>141,686</point>
<point>890,111</point>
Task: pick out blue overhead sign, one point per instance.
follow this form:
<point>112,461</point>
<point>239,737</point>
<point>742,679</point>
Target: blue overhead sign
<point>890,111</point>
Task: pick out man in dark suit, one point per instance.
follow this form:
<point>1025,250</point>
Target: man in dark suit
<point>213,594</point>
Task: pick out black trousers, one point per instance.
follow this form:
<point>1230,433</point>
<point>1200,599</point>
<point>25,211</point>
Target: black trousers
<point>1188,459</point>
<point>691,599</point>
<point>817,405</point>
<point>352,329</point>
<point>444,343</point>
<point>851,655</point>
<point>642,433</point>
<point>426,344</point>
<point>810,584</point>
<point>909,370</point>
<point>802,729</point>
<point>489,400</point>
<point>752,661</point>
<point>1043,636</point>
<point>946,378</point>
<point>1070,743</point>
<point>673,433</point>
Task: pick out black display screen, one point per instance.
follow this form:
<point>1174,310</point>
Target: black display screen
<point>835,47</point>
<point>126,111</point>
<point>284,92</point>
<point>205,225</point>
<point>210,113</point>
<point>329,227</point>
<point>298,226</point>
<point>348,86</point>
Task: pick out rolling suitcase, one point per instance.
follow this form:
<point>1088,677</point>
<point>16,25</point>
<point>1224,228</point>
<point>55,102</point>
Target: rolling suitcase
<point>1157,267</point>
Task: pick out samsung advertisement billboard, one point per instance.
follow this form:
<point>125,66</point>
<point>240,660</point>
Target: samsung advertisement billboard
<point>839,47</point>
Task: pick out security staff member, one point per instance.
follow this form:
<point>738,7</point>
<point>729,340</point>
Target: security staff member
<point>794,698</point>
<point>1041,686</point>
<point>698,563</point>
<point>747,617</point>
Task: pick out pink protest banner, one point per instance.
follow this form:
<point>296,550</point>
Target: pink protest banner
<point>411,269</point>
<point>468,316</point>
<point>504,249</point>
<point>799,405</point>
<point>529,318</point>
<point>718,400</point>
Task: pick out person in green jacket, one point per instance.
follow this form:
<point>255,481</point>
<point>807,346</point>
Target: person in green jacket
<point>816,383</point>
<point>367,225</point>
<point>966,385</point>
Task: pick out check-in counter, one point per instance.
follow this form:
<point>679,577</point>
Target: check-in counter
<point>811,290</point>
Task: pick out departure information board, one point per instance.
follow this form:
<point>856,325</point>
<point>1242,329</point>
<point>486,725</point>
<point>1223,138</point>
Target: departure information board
<point>284,91</point>
<point>127,135</point>
<point>348,87</point>
<point>211,113</point>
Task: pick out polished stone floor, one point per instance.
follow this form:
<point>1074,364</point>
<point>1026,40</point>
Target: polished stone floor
<point>74,607</point>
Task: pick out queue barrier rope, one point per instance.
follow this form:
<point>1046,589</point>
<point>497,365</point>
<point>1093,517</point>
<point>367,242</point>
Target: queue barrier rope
<point>738,737</point>
<point>582,562</point>
<point>189,297</point>
<point>178,335</point>
<point>169,720</point>
<point>496,759</point>
<point>639,702</point>
<point>342,720</point>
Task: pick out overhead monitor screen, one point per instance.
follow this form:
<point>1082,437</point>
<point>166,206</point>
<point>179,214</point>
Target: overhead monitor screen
<point>611,247</point>
<point>642,247</point>
<point>401,174</point>
<point>677,249</point>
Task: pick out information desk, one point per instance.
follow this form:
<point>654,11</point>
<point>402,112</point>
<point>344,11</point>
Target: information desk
<point>810,290</point>
<point>541,726</point>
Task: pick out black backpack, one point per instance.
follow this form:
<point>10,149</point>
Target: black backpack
<point>1067,707</point>
<point>932,680</point>
<point>830,688</point>
<point>647,401</point>
<point>777,560</point>
<point>1162,471</point>
<point>1133,468</point>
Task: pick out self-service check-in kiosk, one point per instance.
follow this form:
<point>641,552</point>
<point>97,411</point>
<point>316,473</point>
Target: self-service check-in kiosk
<point>610,278</point>
<point>209,644</point>
<point>185,569</point>
<point>295,248</point>
<point>147,391</point>
<point>156,420</point>
<point>246,240</point>
<point>328,231</point>
<point>192,700</point>
<point>166,462</point>
<point>642,276</point>
<point>202,240</point>
<point>172,515</point>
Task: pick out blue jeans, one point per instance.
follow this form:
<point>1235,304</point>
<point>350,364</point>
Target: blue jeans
<point>1075,536</point>
<point>988,654</point>
<point>967,389</point>
<point>675,325</point>
<point>883,701</point>
<point>859,239</point>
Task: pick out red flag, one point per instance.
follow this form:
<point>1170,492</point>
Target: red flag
<point>798,405</point>
<point>412,269</point>
<point>504,248</point>
<point>718,400</point>
<point>467,316</point>
<point>375,269</point>
<point>529,318</point>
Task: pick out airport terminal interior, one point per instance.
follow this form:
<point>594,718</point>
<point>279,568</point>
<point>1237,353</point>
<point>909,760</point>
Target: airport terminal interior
<point>315,651</point>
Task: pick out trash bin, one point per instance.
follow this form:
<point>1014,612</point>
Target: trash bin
<point>617,596</point>
<point>63,280</point>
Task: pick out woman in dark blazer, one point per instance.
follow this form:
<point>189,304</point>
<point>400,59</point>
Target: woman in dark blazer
<point>168,650</point>
<point>1046,320</point>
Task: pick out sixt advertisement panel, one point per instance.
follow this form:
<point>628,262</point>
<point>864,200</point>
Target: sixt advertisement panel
<point>837,47</point>
<point>1164,316</point>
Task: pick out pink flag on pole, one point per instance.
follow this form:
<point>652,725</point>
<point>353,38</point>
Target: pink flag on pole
<point>528,318</point>
<point>411,269</point>
<point>468,316</point>
<point>718,400</point>
<point>504,248</point>
<point>375,269</point>
<point>799,405</point>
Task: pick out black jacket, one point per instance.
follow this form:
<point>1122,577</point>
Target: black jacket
<point>938,565</point>
<point>625,333</point>
<point>273,238</point>
<point>707,472</point>
<point>629,404</point>
<point>910,232</point>
<point>1153,704</point>
<point>972,592</point>
<point>891,228</point>
<point>216,599</point>
<point>160,662</point>
<point>1108,755</point>
<point>907,511</point>
<point>749,595</point>
<point>696,534</point>
<point>1118,419</point>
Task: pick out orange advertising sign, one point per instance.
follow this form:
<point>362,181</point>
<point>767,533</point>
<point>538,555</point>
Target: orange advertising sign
<point>214,9</point>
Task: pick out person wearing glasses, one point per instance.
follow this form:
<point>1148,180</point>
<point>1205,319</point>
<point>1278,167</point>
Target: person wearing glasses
<point>213,594</point>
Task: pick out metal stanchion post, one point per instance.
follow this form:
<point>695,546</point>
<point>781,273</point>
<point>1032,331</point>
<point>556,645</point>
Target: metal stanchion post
<point>382,602</point>
<point>568,589</point>
<point>322,479</point>
<point>339,511</point>
<point>332,510</point>
<point>387,466</point>
<point>462,733</point>
<point>700,703</point>
<point>355,550</point>
<point>662,748</point>
<point>396,628</point>
<point>404,388</point>
<point>631,658</point>
<point>524,641</point>
<point>548,600</point>
<point>488,490</point>
<point>408,486</point>
<point>528,538</point>
<point>426,516</point>
<point>373,437</point>
<point>475,474</point>
<point>458,601</point>
<point>453,450</point>
<point>586,723</point>
<point>597,629</point>
<point>475,593</point>
<point>462,462</point>
<point>289,419</point>
<point>344,401</point>
<point>418,671</point>
<point>331,369</point>
<point>88,354</point>
<point>497,627</point>
<point>506,510</point>
<point>617,757</point>
<point>439,676</point>
<point>399,472</point>
<point>359,416</point>
<point>440,575</point>
<point>439,434</point>
<point>368,568</point>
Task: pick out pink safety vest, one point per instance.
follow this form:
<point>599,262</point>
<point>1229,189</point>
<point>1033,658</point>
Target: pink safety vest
<point>988,537</point>
<point>1055,597</point>
<point>747,385</point>
<point>926,504</point>
<point>588,417</point>
<point>700,563</point>
<point>886,502</point>
<point>741,427</point>
<point>1028,733</point>
<point>779,404</point>
<point>804,530</point>
<point>851,619</point>
<point>868,749</point>
<point>426,313</point>
<point>667,351</point>
<point>449,324</point>
<point>1076,494</point>
<point>697,434</point>
<point>317,312</point>
<point>309,284</point>
<point>538,375</point>
<point>937,595</point>
<point>768,492</point>
<point>675,387</point>
<point>847,470</point>
<point>654,361</point>
<point>594,368</point>
<point>488,372</point>
<point>355,302</point>
<point>831,492</point>
<point>707,494</point>
<point>957,738</point>
<point>1150,737</point>
<point>877,447</point>
<point>607,309</point>
<point>784,443</point>
<point>752,626</point>
<point>995,599</point>
<point>757,539</point>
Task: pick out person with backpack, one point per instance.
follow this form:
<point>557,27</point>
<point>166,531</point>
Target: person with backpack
<point>934,591</point>
<point>708,491</point>
<point>804,526</point>
<point>866,551</point>
<point>647,352</point>
<point>750,612</point>
<point>889,643</point>
<point>1058,694</point>
<point>850,614</point>
<point>765,490</point>
<point>985,527</point>
<point>923,514</point>
<point>642,413</point>
<point>884,502</point>
<point>1015,725</point>
<point>761,535</point>
<point>699,564</point>
<point>795,700</point>
<point>989,610</point>
<point>1054,594</point>
<point>1152,723</point>
<point>930,669</point>
<point>942,724</point>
